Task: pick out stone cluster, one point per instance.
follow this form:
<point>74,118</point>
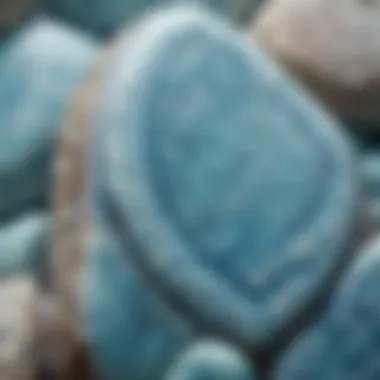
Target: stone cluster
<point>189,190</point>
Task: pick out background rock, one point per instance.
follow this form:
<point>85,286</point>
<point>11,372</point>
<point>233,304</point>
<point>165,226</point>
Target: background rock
<point>332,47</point>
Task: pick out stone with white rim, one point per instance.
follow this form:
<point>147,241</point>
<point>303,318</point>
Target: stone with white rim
<point>261,177</point>
<point>210,214</point>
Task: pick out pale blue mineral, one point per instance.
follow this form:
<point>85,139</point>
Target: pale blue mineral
<point>210,360</point>
<point>40,66</point>
<point>23,244</point>
<point>345,343</point>
<point>226,196</point>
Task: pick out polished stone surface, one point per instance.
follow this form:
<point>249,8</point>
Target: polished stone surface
<point>24,242</point>
<point>40,65</point>
<point>212,193</point>
<point>344,343</point>
<point>332,47</point>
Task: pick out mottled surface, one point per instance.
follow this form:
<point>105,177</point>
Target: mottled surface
<point>39,67</point>
<point>331,46</point>
<point>104,17</point>
<point>238,214</point>
<point>17,328</point>
<point>345,343</point>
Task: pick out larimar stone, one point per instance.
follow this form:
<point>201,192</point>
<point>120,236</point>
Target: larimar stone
<point>23,244</point>
<point>211,361</point>
<point>345,342</point>
<point>232,193</point>
<point>200,193</point>
<point>104,17</point>
<point>40,65</point>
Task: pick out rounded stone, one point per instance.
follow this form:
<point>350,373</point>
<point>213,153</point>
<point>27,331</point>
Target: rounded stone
<point>208,360</point>
<point>345,342</point>
<point>104,17</point>
<point>332,47</point>
<point>40,65</point>
<point>230,190</point>
<point>23,244</point>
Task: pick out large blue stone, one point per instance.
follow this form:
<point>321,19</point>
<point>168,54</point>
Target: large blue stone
<point>230,191</point>
<point>103,17</point>
<point>40,65</point>
<point>345,342</point>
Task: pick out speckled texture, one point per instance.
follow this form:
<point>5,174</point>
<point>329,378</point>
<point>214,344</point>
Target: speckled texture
<point>23,244</point>
<point>39,67</point>
<point>331,46</point>
<point>17,328</point>
<point>104,17</point>
<point>345,343</point>
<point>194,170</point>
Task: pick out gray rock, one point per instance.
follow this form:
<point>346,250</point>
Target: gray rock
<point>17,328</point>
<point>13,12</point>
<point>332,47</point>
<point>211,214</point>
<point>104,17</point>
